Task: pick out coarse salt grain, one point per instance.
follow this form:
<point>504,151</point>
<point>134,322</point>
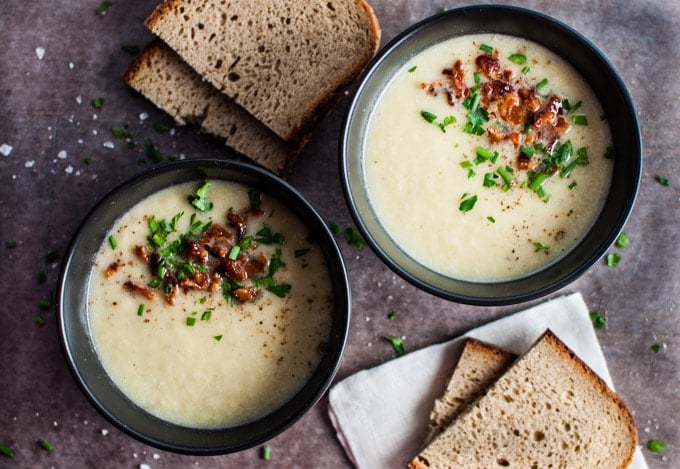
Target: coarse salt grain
<point>104,432</point>
<point>40,52</point>
<point>156,456</point>
<point>71,65</point>
<point>6,149</point>
<point>144,466</point>
<point>143,116</point>
<point>69,170</point>
<point>108,144</point>
<point>79,99</point>
<point>62,155</point>
<point>29,164</point>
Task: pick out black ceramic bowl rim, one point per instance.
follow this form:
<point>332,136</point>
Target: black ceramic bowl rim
<point>74,331</point>
<point>567,43</point>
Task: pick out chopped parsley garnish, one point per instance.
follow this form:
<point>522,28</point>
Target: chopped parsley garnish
<point>477,116</point>
<point>113,242</point>
<point>153,153</point>
<point>566,104</point>
<point>217,337</point>
<point>266,236</point>
<point>206,315</point>
<point>140,309</point>
<point>353,238</point>
<point>467,204</point>
<point>255,198</point>
<point>656,446</point>
<point>45,303</point>
<point>97,103</point>
<point>191,321</point>
<point>268,282</point>
<point>572,184</point>
<point>44,444</point>
<point>266,452</point>
<point>598,319</point>
<point>335,229</point>
<point>412,69</point>
<point>121,132</point>
<point>448,120</point>
<point>301,252</point>
<point>52,255</point>
<point>539,246</point>
<point>518,58</point>
<point>613,259</point>
<point>161,127</point>
<point>199,199</point>
<point>392,315</point>
<point>397,344</point>
<point>609,152</point>
<point>11,244</point>
<point>491,219</point>
<point>486,48</point>
<point>101,9</point>
<point>663,181</point>
<point>489,180</point>
<point>579,119</point>
<point>6,451</point>
<point>542,84</point>
<point>622,241</point>
<point>526,69</point>
<point>428,116</point>
<point>656,348</point>
<point>39,320</point>
<point>580,160</point>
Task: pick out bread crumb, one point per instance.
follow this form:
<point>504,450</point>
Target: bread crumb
<point>6,149</point>
<point>40,52</point>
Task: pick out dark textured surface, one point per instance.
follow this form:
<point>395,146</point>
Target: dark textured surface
<point>46,111</point>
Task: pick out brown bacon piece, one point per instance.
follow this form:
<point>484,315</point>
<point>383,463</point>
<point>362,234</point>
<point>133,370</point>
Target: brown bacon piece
<point>195,251</point>
<point>235,271</point>
<point>245,294</point>
<point>257,265</point>
<point>548,114</point>
<point>562,126</point>
<point>111,269</point>
<point>489,65</point>
<point>138,289</point>
<point>142,253</point>
<point>432,87</point>
<point>239,223</point>
<point>197,281</point>
<point>215,282</point>
<point>523,161</point>
<point>173,289</point>
<point>496,134</point>
<point>456,77</point>
<point>529,99</point>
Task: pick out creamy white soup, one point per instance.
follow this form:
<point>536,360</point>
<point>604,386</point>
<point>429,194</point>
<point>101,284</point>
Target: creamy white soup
<point>208,304</point>
<point>487,157</point>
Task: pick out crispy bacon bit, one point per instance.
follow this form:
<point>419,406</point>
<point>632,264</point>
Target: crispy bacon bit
<point>548,115</point>
<point>524,161</point>
<point>111,269</point>
<point>257,265</point>
<point>496,134</point>
<point>235,271</point>
<point>215,282</point>
<point>529,99</point>
<point>456,77</point>
<point>138,289</point>
<point>196,252</point>
<point>239,223</point>
<point>562,126</point>
<point>431,88</point>
<point>245,294</point>
<point>197,281</point>
<point>142,253</point>
<point>489,65</point>
<point>171,294</point>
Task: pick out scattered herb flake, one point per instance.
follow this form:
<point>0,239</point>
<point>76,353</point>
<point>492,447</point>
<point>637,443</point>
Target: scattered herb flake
<point>598,319</point>
<point>526,69</point>
<point>140,309</point>
<point>6,451</point>
<point>200,198</point>
<point>113,242</point>
<point>161,127</point>
<point>97,103</point>
<point>656,348</point>
<point>491,219</point>
<point>335,229</point>
<point>353,238</point>
<point>613,259</point>
<point>301,252</point>
<point>41,277</point>
<point>572,184</point>
<point>45,304</point>
<point>266,236</point>
<point>191,321</point>
<point>656,446</point>
<point>622,241</point>
<point>266,452</point>
<point>392,315</point>
<point>217,337</point>
<point>39,320</point>
<point>397,344</point>
<point>206,315</point>
<point>103,6</point>
<point>44,444</point>
<point>486,48</point>
<point>153,153</point>
<point>539,246</point>
<point>542,84</point>
<point>467,204</point>
<point>10,244</point>
<point>412,69</point>
<point>52,255</point>
<point>663,181</point>
<point>518,58</point>
<point>609,152</point>
<point>579,119</point>
<point>428,116</point>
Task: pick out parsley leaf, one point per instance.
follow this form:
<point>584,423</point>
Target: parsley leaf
<point>397,344</point>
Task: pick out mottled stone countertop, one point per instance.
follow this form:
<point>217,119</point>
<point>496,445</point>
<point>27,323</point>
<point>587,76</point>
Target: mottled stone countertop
<point>58,56</point>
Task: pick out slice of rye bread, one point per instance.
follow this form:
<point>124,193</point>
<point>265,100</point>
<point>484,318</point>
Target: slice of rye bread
<point>479,365</point>
<point>165,79</point>
<point>284,61</point>
<point>547,410</point>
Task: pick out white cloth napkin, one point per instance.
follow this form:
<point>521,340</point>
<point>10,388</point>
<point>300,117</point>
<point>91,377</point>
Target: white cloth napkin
<point>380,415</point>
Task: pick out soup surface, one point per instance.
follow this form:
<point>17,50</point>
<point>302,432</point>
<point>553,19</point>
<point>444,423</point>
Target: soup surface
<point>208,305</point>
<point>487,157</point>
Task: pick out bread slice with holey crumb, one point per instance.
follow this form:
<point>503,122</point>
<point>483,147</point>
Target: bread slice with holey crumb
<point>547,410</point>
<point>479,365</point>
<point>282,60</point>
<point>165,79</point>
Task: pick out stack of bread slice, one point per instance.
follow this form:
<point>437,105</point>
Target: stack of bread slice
<point>543,409</point>
<point>257,74</point>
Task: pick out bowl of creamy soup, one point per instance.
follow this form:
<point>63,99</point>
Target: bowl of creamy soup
<point>204,306</point>
<point>490,154</point>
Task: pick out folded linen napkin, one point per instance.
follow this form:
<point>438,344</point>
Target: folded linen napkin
<point>380,415</point>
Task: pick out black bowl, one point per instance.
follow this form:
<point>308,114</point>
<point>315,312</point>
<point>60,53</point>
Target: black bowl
<point>75,334</point>
<point>562,40</point>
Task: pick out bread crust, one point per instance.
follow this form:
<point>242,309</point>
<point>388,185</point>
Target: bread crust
<point>302,123</point>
